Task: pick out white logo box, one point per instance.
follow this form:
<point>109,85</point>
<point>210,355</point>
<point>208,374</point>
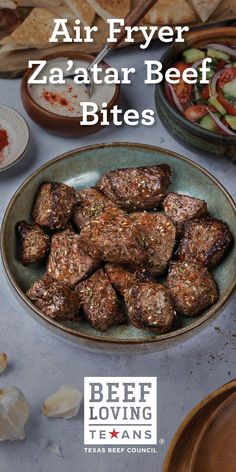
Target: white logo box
<point>123,405</point>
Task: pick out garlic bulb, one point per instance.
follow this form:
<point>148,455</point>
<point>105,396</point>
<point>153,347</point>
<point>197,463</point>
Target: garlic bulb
<point>3,362</point>
<point>65,403</point>
<point>14,412</point>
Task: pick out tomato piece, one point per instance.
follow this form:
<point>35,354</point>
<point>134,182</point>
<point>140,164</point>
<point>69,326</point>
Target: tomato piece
<point>206,92</point>
<point>195,112</point>
<point>227,76</point>
<point>181,66</point>
<point>231,109</point>
<point>183,91</point>
<point>220,64</point>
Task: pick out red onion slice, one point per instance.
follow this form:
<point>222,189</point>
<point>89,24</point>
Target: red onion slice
<point>196,64</point>
<point>220,125</point>
<point>223,48</point>
<point>175,99</point>
<point>214,81</point>
<point>168,93</point>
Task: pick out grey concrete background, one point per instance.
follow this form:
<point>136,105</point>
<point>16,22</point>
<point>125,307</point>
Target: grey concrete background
<point>40,362</point>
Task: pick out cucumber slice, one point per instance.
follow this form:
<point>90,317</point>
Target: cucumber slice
<point>208,123</point>
<point>217,105</point>
<point>231,100</point>
<point>193,55</point>
<point>210,74</point>
<point>217,54</point>
<point>231,120</point>
<point>197,94</point>
<point>230,88</point>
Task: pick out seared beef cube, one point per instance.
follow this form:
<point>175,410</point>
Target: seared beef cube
<point>182,208</point>
<point>123,277</point>
<point>34,242</point>
<point>136,188</point>
<point>91,204</point>
<point>54,299</point>
<point>205,241</point>
<point>68,263</point>
<point>113,237</point>
<point>158,233</point>
<point>192,287</point>
<point>100,304</point>
<point>150,307</point>
<point>53,205</point>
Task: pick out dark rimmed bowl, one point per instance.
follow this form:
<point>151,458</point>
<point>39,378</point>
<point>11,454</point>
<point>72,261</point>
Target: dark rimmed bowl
<point>82,168</point>
<point>68,127</point>
<point>183,130</point>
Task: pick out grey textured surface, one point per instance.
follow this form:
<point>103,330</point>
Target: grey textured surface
<point>40,363</point>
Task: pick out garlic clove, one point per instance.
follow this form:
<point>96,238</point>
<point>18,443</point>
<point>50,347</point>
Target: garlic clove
<point>14,412</point>
<point>3,362</point>
<point>65,403</point>
<point>55,449</point>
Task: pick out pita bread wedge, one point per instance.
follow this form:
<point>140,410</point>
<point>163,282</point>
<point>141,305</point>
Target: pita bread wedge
<point>62,11</point>
<point>8,4</point>
<point>110,8</point>
<point>34,32</point>
<point>170,12</point>
<point>39,3</point>
<point>82,10</point>
<point>9,48</point>
<point>205,8</point>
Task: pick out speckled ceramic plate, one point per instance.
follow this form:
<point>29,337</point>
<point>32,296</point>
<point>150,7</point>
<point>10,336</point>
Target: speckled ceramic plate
<point>82,168</point>
<point>18,137</point>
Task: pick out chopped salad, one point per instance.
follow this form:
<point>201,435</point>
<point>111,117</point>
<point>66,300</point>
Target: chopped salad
<point>212,106</point>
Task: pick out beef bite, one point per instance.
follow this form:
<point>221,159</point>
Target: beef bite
<point>91,204</point>
<point>53,205</point>
<point>205,241</point>
<point>136,188</point>
<point>158,233</point>
<point>192,287</point>
<point>100,304</point>
<point>182,208</point>
<point>34,242</point>
<point>150,307</point>
<point>67,262</point>
<point>54,299</point>
<point>123,277</point>
<point>113,237</point>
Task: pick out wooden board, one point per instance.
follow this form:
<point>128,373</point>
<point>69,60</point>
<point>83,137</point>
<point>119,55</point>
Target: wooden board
<point>13,64</point>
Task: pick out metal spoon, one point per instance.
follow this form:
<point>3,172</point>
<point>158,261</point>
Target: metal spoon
<point>133,17</point>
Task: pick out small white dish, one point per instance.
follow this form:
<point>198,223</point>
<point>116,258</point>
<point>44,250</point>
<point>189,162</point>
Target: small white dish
<point>18,136</point>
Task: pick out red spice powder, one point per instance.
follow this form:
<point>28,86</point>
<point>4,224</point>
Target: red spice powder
<point>3,139</point>
<point>55,98</point>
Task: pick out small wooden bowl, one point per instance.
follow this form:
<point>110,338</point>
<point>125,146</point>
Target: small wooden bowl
<point>182,129</point>
<point>69,127</point>
<point>215,449</point>
<point>180,453</point>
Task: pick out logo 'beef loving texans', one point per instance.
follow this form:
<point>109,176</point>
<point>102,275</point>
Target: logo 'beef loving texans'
<point>120,410</point>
